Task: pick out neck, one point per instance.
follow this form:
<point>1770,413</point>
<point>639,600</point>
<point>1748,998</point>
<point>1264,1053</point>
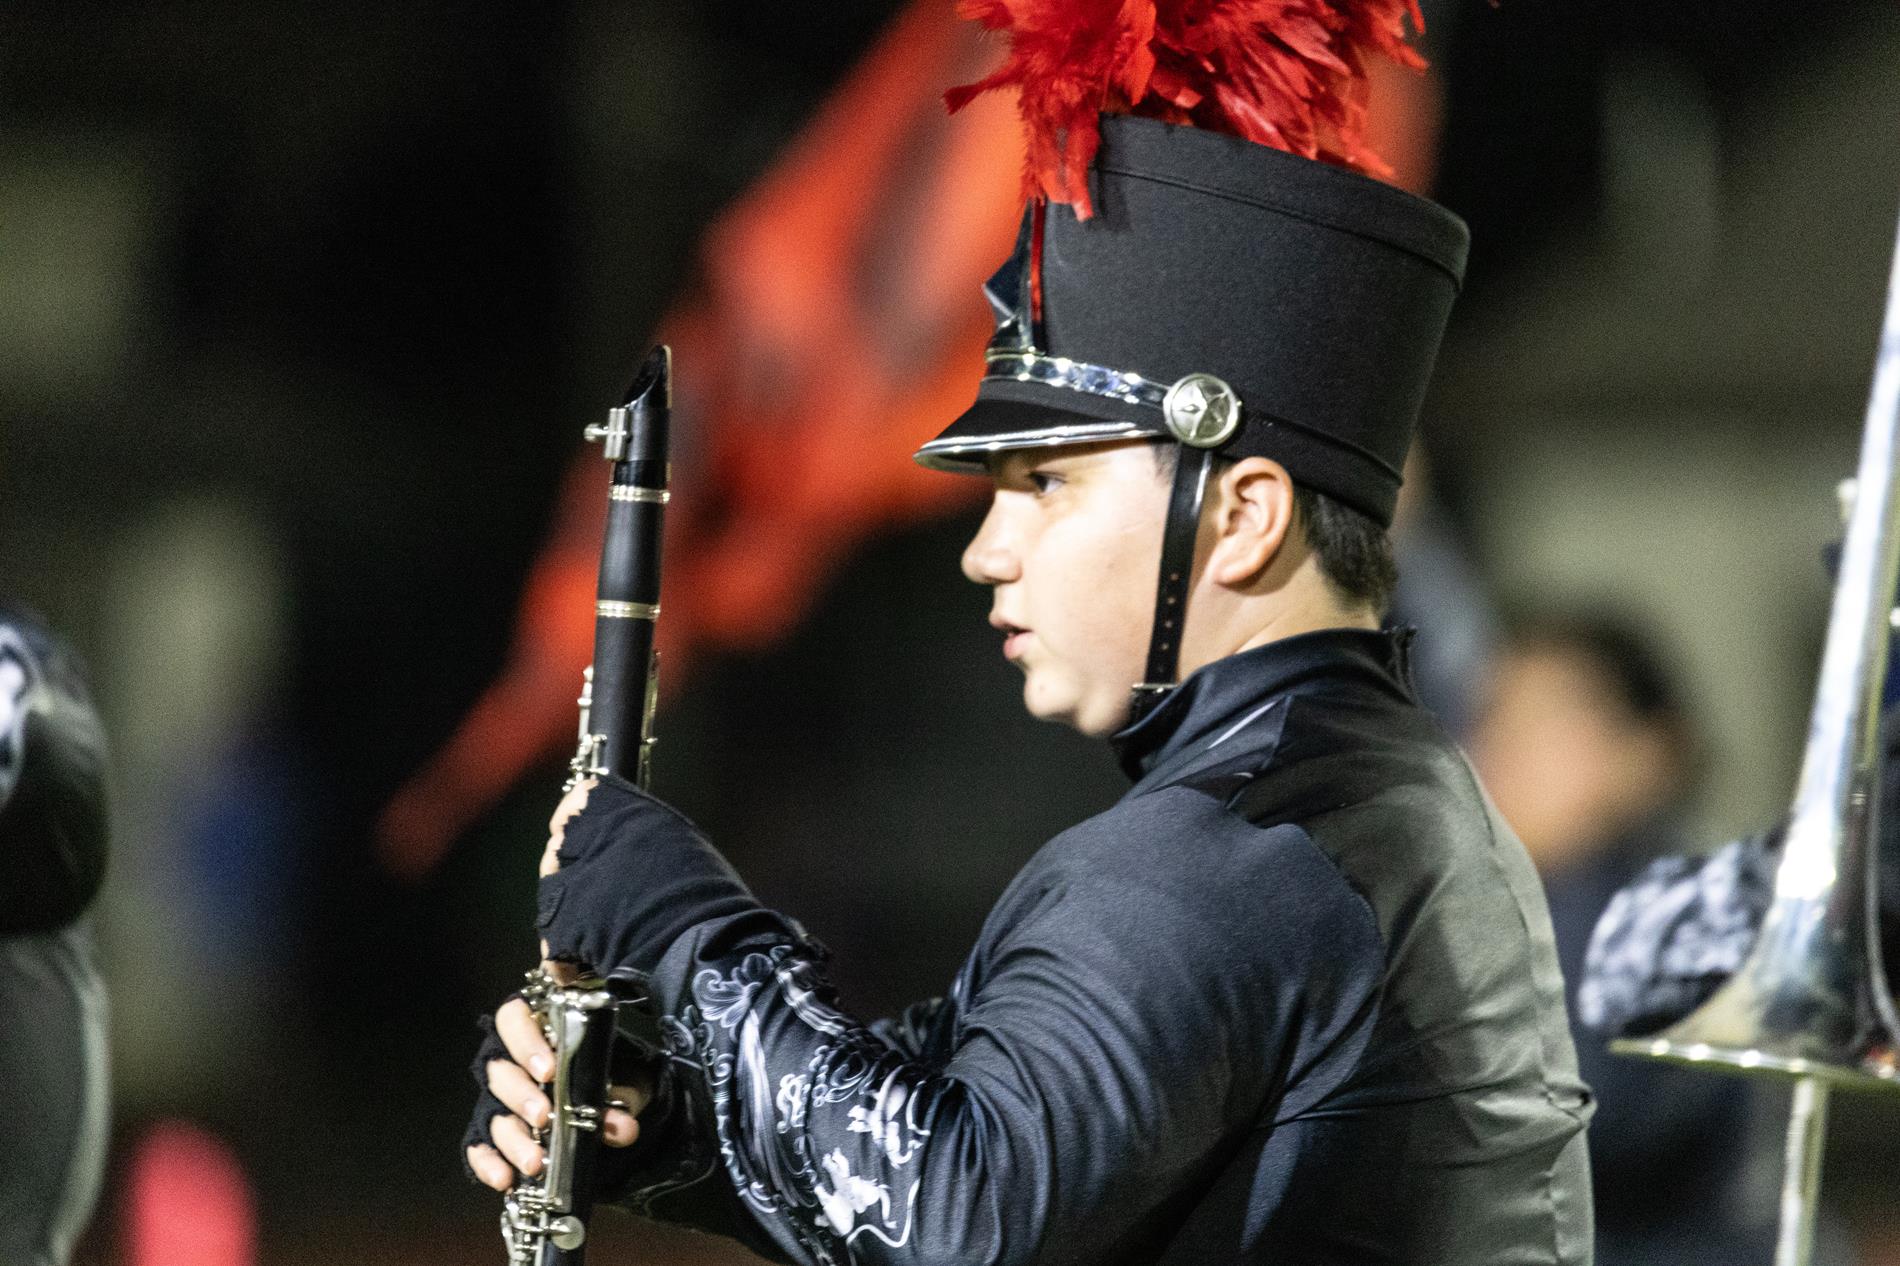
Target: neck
<point>1306,604</point>
<point>1293,623</point>
<point>1288,597</point>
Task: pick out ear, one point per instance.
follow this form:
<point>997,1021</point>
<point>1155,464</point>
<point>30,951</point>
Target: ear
<point>1253,515</point>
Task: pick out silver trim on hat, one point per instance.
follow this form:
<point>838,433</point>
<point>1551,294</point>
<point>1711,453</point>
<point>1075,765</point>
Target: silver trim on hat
<point>961,452</point>
<point>1208,427</point>
<point>1060,371</point>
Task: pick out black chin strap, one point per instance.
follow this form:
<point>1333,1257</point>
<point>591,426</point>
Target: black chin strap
<point>1191,470</point>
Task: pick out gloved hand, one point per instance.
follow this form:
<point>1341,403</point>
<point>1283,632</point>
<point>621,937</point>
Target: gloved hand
<point>512,1068</point>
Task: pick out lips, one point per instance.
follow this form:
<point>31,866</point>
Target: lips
<point>1015,636</point>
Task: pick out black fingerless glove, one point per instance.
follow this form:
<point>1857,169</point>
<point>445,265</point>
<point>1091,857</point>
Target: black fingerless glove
<point>487,1107</point>
<point>635,876</point>
<point>664,1156</point>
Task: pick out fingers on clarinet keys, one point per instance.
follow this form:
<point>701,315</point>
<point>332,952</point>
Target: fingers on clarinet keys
<point>518,1083</point>
<point>511,1151</point>
<point>490,1168</point>
<point>511,1084</point>
<point>514,1150</point>
<point>527,1045</point>
<point>559,972</point>
<point>624,1103</point>
<point>516,1143</point>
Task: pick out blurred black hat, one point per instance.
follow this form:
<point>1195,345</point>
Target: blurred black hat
<point>53,821</point>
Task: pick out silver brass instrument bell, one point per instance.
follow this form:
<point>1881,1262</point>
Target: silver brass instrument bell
<point>1811,1004</point>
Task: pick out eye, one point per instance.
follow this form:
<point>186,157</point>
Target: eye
<point>1043,482</point>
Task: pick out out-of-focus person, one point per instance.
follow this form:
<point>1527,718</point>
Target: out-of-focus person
<point>53,832</point>
<point>1590,752</point>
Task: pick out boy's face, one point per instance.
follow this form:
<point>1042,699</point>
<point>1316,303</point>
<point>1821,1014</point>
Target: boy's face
<point>1071,546</point>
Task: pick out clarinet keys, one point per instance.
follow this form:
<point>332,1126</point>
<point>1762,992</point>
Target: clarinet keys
<point>551,1209</point>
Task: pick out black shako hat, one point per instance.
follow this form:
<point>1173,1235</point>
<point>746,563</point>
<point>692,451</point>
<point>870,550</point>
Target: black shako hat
<point>1228,295</point>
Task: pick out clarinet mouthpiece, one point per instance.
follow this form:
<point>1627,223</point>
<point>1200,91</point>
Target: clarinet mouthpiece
<point>637,430</point>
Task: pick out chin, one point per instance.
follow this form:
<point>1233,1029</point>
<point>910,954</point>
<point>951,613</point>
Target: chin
<point>1046,703</point>
<point>1096,719</point>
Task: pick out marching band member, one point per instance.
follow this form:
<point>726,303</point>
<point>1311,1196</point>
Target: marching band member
<point>1294,998</point>
<point>53,832</point>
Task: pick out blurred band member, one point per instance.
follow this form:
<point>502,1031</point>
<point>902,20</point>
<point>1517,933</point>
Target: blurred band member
<point>52,1004</point>
<point>1679,929</point>
<point>1295,997</point>
<point>1591,756</point>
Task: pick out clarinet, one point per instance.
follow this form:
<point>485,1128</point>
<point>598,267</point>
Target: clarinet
<point>544,1219</point>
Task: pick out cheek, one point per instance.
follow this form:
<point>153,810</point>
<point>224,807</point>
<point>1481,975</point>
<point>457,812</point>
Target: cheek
<point>1101,587</point>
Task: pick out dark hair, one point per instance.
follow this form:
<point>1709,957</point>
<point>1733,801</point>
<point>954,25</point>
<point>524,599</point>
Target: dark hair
<point>1354,553</point>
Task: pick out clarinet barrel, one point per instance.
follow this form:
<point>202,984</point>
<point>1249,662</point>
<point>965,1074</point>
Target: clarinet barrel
<point>544,1219</point>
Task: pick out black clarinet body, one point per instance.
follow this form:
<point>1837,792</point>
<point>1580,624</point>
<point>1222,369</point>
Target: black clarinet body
<point>617,712</point>
<point>544,1220</point>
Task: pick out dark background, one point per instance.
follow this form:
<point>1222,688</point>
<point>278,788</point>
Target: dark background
<point>301,312</point>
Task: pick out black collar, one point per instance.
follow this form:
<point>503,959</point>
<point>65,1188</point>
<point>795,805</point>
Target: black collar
<point>1219,694</point>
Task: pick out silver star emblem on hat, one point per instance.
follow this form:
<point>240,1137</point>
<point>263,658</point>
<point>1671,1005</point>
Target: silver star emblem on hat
<point>1201,410</point>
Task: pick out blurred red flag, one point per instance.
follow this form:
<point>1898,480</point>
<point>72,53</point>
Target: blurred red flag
<point>836,323</point>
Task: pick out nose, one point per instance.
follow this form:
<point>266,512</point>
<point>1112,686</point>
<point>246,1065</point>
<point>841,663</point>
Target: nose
<point>990,558</point>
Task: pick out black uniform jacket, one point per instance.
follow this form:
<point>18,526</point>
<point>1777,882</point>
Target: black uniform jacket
<point>1293,999</point>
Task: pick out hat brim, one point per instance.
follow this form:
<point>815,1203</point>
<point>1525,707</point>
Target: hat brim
<point>1010,415</point>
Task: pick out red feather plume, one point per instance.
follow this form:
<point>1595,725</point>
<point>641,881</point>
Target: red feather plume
<point>1285,73</point>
